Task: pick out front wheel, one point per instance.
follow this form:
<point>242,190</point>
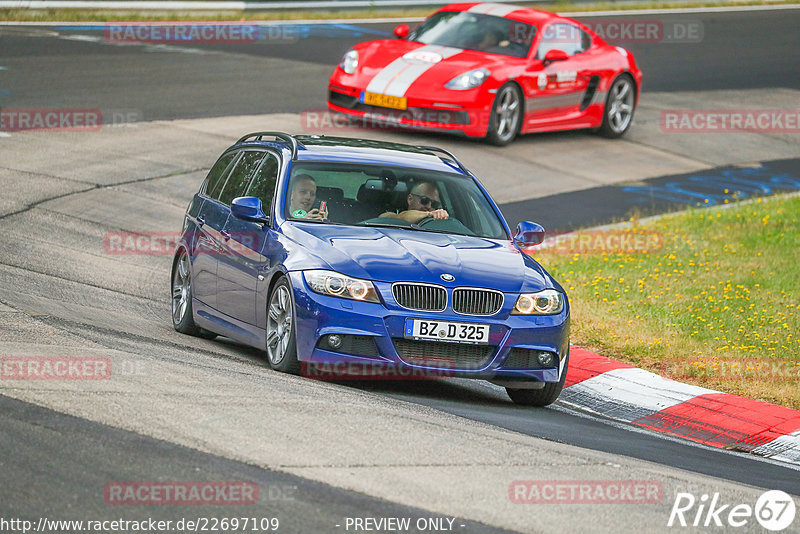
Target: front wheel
<point>281,345</point>
<point>506,115</point>
<point>618,113</point>
<point>539,397</point>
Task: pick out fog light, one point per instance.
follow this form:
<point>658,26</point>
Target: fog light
<point>335,341</point>
<point>545,359</point>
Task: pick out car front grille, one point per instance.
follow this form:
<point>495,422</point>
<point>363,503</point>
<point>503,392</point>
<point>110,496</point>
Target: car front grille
<point>445,116</point>
<point>469,301</point>
<point>345,101</point>
<point>420,297</point>
<point>444,355</point>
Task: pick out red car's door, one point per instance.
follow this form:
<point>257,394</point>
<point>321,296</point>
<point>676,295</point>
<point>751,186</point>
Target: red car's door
<point>555,90</point>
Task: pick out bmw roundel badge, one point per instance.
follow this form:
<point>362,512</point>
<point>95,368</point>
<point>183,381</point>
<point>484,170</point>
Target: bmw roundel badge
<point>448,277</point>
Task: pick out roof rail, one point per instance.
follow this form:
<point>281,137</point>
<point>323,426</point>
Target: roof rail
<point>278,135</point>
<point>449,155</point>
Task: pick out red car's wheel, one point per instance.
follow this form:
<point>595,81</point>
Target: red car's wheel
<point>506,115</point>
<point>618,114</point>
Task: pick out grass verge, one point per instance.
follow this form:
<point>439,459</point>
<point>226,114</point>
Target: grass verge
<point>718,305</point>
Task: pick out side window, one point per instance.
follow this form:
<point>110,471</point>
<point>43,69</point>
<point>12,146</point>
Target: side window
<point>566,37</point>
<point>586,41</point>
<point>240,176</point>
<point>216,176</point>
<point>263,184</point>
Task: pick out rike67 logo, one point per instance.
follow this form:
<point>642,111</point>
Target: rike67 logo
<point>774,510</point>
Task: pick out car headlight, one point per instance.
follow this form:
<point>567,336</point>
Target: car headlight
<point>335,284</point>
<point>546,302</point>
<point>349,62</point>
<point>468,80</point>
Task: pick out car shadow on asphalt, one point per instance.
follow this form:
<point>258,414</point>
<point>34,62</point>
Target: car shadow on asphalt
<point>427,390</point>
<point>453,391</point>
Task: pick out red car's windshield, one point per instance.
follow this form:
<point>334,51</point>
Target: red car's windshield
<point>474,31</point>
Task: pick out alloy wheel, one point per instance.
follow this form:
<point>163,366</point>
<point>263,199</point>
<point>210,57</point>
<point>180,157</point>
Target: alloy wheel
<point>279,324</point>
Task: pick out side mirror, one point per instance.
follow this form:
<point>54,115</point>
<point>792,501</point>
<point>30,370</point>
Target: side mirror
<point>529,233</point>
<point>402,30</point>
<point>249,209</point>
<point>554,55</point>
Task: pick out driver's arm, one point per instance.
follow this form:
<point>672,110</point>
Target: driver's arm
<point>415,216</point>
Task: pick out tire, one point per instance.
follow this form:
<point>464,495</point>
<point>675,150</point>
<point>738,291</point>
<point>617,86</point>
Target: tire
<point>182,315</point>
<point>620,105</point>
<point>539,397</point>
<point>281,343</point>
<point>505,117</point>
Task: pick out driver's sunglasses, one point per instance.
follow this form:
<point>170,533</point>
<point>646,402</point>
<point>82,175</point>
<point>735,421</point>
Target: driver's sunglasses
<point>435,204</point>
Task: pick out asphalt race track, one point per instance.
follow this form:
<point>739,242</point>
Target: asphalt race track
<point>738,51</point>
<point>187,409</point>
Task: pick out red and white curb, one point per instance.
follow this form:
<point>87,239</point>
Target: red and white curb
<point>625,393</point>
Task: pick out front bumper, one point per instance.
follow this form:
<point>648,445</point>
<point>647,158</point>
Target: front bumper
<point>375,341</point>
<point>463,112</point>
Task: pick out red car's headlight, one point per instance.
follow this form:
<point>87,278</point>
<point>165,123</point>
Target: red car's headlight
<point>468,80</point>
<point>349,62</point>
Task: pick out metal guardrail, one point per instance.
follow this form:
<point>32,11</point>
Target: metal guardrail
<point>224,5</point>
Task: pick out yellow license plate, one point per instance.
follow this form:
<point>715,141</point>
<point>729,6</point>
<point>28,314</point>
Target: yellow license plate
<point>386,101</point>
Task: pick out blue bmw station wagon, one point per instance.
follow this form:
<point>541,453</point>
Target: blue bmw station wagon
<point>352,254</point>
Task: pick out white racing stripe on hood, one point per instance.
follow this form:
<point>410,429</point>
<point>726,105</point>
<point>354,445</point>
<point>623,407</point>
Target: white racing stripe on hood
<point>397,76</point>
<point>497,10</point>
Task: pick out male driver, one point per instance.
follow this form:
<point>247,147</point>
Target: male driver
<point>423,202</point>
<point>304,193</point>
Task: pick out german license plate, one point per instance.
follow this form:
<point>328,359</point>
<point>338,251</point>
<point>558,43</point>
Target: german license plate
<point>477,334</point>
<point>384,101</point>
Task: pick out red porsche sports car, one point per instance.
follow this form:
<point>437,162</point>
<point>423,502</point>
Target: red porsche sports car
<point>490,70</point>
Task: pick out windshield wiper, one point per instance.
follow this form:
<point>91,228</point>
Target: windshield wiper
<point>449,232</point>
<point>390,225</point>
<point>318,221</point>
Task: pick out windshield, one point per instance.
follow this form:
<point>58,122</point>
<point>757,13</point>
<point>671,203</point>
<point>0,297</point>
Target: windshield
<point>473,31</point>
<point>378,195</point>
